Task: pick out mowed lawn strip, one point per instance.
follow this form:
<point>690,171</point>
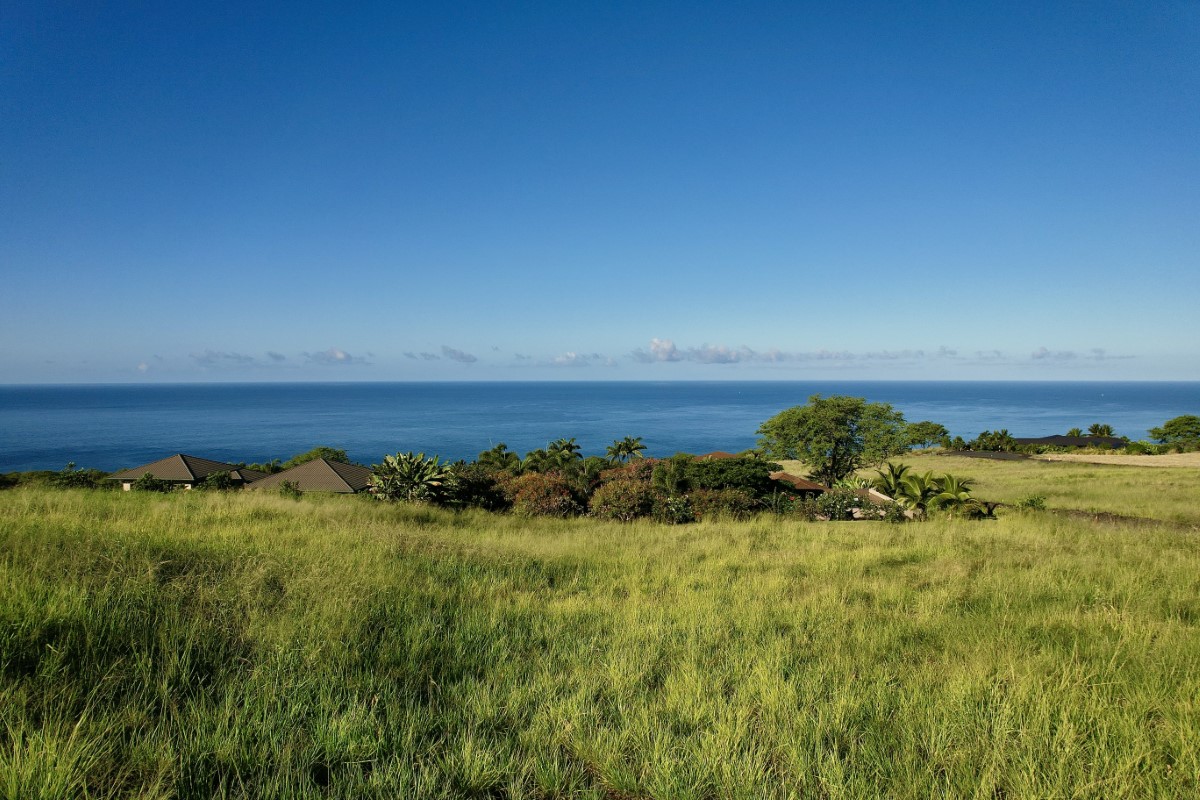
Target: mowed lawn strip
<point>199,645</point>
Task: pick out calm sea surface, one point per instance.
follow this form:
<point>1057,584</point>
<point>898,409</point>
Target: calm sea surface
<point>113,426</point>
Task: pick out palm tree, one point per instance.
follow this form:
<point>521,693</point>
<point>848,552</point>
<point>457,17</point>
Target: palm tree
<point>1075,432</point>
<point>917,491</point>
<point>565,447</point>
<point>500,458</point>
<point>954,493</point>
<point>1100,429</point>
<point>563,454</point>
<point>891,479</point>
<point>536,461</point>
<point>623,450</point>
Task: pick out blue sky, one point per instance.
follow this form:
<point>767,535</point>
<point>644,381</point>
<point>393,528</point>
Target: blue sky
<point>599,191</point>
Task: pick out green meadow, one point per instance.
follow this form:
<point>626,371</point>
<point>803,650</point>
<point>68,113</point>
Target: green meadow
<point>198,645</point>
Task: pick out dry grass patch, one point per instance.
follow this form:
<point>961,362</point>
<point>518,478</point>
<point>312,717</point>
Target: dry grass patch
<point>1165,460</point>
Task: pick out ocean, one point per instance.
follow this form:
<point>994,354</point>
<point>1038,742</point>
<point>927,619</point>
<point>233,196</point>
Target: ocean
<point>115,426</point>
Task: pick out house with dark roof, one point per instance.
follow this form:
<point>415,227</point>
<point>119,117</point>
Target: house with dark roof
<point>320,475</point>
<point>186,472</point>
<point>801,486</point>
<point>1111,442</point>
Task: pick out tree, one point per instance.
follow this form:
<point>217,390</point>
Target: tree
<point>328,453</point>
<point>500,458</point>
<point>622,450</point>
<point>1075,432</point>
<point>835,436</point>
<point>1178,430</point>
<point>565,448</point>
<point>1100,429</point>
<point>1000,441</point>
<point>926,434</point>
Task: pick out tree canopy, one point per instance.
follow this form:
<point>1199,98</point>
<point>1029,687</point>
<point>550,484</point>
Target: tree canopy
<point>330,453</point>
<point>927,434</point>
<point>836,435</point>
<point>1185,428</point>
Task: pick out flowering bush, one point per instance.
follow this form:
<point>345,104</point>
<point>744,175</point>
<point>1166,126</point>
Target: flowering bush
<point>624,499</point>
<point>544,494</point>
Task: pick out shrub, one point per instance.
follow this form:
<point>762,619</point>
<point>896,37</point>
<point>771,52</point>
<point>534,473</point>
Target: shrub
<point>807,509</point>
<point>838,504</point>
<point>730,502</point>
<point>671,476</point>
<point>411,477</point>
<point>1034,502</point>
<point>894,513</point>
<point>624,499</point>
<point>476,486</point>
<point>544,494</point>
<point>290,489</point>
<point>673,509</point>
<point>216,482</point>
<point>752,475</point>
<point>71,478</point>
<point>149,483</point>
<point>780,503</point>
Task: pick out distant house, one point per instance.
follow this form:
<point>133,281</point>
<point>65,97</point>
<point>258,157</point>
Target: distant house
<point>185,471</point>
<point>1111,442</point>
<point>716,455</point>
<point>801,486</point>
<point>320,475</point>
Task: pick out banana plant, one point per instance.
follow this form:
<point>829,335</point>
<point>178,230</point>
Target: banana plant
<point>410,477</point>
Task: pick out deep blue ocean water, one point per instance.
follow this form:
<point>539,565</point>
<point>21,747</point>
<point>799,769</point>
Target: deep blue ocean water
<point>114,426</point>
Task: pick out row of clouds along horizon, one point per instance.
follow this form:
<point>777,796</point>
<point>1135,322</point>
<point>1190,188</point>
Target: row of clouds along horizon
<point>659,351</point>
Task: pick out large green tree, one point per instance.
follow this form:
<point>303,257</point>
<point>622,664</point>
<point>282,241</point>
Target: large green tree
<point>1179,429</point>
<point>834,436</point>
<point>927,434</point>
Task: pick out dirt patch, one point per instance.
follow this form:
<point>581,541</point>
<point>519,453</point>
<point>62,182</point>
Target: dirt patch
<point>991,455</point>
<point>1167,460</point>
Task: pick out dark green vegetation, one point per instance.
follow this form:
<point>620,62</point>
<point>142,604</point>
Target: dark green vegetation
<point>207,644</point>
<point>1183,430</point>
<point>835,435</point>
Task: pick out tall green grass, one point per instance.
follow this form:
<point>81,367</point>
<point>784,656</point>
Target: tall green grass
<point>242,645</point>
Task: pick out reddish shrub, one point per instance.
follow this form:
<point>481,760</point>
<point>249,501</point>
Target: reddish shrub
<point>544,494</point>
<point>624,499</point>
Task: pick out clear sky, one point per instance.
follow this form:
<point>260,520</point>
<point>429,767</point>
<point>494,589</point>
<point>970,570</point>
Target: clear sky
<point>642,190</point>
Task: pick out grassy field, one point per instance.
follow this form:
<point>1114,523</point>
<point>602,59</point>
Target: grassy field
<point>245,645</point>
<point>1167,494</point>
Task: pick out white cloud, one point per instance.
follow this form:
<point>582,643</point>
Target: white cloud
<point>573,359</point>
<point>333,356</point>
